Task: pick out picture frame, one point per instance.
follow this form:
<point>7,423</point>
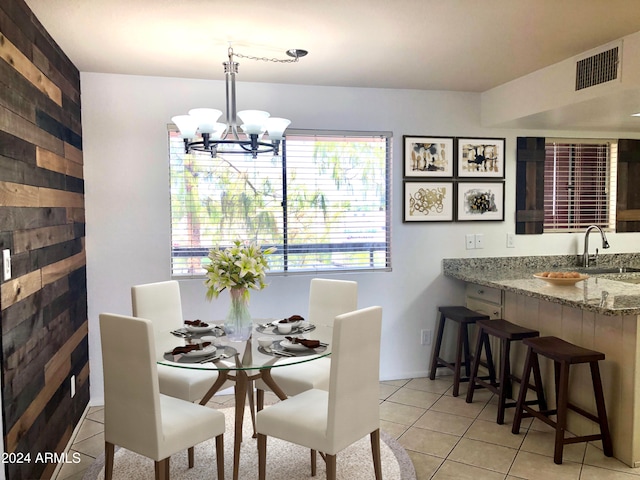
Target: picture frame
<point>428,157</point>
<point>480,201</point>
<point>480,157</point>
<point>428,201</point>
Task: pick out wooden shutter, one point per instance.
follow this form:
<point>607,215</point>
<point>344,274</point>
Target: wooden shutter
<point>530,185</point>
<point>628,200</point>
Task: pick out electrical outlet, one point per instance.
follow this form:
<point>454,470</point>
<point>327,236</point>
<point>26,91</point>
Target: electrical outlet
<point>6,264</point>
<point>511,240</point>
<point>425,337</point>
<point>470,241</point>
<point>479,240</point>
<point>73,386</point>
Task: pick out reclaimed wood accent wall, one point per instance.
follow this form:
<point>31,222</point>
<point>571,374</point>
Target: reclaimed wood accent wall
<point>43,307</point>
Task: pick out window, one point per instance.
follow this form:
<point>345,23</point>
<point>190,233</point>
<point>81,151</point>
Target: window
<point>579,184</point>
<point>324,203</point>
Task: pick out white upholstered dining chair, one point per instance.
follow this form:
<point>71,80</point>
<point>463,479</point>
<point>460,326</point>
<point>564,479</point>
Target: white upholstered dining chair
<point>136,416</point>
<point>329,421</point>
<point>161,303</point>
<point>328,298</point>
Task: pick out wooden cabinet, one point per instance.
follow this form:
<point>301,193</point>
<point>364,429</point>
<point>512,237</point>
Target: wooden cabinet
<point>484,300</point>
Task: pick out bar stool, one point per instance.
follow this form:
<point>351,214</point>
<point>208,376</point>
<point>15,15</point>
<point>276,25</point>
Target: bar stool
<point>463,317</point>
<point>564,354</point>
<point>507,332</point>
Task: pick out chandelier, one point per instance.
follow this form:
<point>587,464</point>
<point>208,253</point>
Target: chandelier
<point>202,132</point>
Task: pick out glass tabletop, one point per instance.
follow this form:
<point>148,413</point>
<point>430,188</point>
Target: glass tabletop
<point>209,349</point>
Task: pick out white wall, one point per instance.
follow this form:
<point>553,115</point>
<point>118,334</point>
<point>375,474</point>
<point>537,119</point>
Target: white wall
<point>127,202</point>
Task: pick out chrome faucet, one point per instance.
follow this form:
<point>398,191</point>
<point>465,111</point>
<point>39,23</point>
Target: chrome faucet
<point>586,258</point>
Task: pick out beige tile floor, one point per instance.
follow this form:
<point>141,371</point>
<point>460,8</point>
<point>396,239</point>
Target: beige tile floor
<point>446,438</point>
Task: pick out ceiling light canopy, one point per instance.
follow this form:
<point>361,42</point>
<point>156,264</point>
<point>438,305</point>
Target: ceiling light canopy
<point>202,132</point>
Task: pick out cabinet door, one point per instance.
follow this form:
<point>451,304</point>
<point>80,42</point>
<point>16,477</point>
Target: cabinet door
<point>493,310</point>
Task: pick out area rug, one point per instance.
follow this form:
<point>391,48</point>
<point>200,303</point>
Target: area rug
<point>285,461</point>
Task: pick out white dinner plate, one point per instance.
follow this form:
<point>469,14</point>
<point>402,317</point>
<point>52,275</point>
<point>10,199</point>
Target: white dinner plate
<point>289,345</point>
<point>193,329</point>
<point>200,353</point>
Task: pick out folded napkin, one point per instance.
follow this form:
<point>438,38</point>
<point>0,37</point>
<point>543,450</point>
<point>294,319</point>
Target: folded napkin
<point>189,348</point>
<point>196,323</point>
<point>292,319</point>
<point>304,341</point>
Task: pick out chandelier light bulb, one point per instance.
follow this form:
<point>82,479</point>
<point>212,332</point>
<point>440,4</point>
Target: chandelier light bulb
<point>206,118</point>
<point>254,121</point>
<point>187,125</point>
<point>276,127</point>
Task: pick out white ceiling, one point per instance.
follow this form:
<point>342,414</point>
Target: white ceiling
<point>461,45</point>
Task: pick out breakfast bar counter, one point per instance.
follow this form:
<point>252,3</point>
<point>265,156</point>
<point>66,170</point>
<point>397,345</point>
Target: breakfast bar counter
<point>601,313</point>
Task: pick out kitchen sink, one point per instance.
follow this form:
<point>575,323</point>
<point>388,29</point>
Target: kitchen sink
<point>598,270</point>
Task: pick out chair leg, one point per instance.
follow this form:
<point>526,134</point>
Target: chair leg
<point>522,396</point>
<point>474,367</point>
<point>375,450</point>
<point>109,449</point>
<point>562,402</point>
<point>505,379</point>
<point>460,342</point>
<point>607,445</point>
<point>262,456</point>
<point>162,469</point>
<point>191,456</point>
<point>436,348</point>
<point>220,456</point>
<point>330,460</point>
<point>314,462</point>
<point>259,399</point>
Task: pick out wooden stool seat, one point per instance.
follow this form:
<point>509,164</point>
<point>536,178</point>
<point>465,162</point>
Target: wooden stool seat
<point>506,332</point>
<point>563,354</point>
<point>463,317</point>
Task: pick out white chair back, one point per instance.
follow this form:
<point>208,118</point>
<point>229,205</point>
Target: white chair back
<point>132,396</point>
<point>159,302</point>
<point>354,383</point>
<point>330,298</point>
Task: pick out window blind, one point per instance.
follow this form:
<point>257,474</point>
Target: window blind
<point>323,203</point>
<point>579,184</point>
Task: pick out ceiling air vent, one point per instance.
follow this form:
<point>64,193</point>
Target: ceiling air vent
<point>597,69</point>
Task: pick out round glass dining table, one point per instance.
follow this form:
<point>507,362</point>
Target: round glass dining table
<point>241,362</point>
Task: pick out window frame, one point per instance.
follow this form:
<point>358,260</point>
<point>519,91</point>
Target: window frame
<point>287,249</point>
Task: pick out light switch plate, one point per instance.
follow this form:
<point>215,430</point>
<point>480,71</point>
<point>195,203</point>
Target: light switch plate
<point>470,241</point>
<point>6,264</point>
<point>479,240</point>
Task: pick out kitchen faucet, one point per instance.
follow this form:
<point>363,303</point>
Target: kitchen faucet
<point>586,258</point>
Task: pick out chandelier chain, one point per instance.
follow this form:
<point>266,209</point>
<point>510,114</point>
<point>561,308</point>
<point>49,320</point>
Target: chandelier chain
<point>266,59</point>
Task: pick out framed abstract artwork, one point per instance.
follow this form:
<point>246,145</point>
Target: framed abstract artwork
<point>426,157</point>
<point>481,157</point>
<point>480,201</point>
<point>428,201</point>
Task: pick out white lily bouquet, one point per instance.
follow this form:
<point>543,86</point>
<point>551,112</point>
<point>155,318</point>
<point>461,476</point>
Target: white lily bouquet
<point>243,265</point>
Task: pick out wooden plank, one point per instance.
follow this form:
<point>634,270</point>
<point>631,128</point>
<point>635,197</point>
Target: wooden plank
<point>72,153</point>
<point>628,215</point>
<point>22,65</point>
<point>39,403</point>
<point>12,291</point>
<point>14,57</point>
<point>57,270</point>
<point>20,127</point>
<point>50,197</point>
<point>57,163</point>
<point>18,195</point>
<point>27,240</point>
<point>50,160</point>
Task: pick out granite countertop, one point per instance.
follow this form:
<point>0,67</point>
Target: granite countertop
<point>608,293</point>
